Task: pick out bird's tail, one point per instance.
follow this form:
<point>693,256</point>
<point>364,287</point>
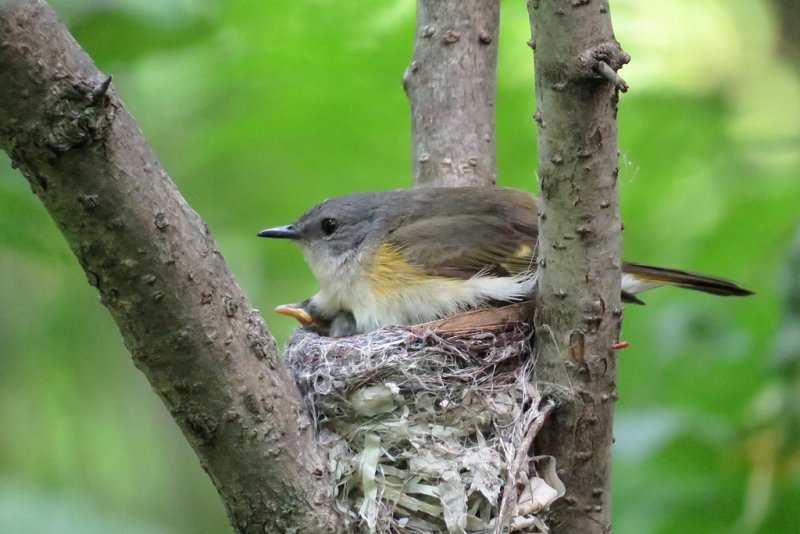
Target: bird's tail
<point>637,278</point>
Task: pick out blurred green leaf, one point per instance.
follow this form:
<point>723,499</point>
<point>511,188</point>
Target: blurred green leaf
<point>22,507</point>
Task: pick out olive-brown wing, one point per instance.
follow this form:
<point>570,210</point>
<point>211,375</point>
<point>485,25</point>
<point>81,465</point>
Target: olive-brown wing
<point>462,246</point>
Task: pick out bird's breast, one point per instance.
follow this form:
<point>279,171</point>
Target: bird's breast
<point>385,289</point>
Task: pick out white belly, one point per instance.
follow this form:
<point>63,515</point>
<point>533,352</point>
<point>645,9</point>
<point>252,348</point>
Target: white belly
<point>425,301</point>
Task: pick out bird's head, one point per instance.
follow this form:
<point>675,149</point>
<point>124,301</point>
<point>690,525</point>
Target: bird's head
<point>335,232</point>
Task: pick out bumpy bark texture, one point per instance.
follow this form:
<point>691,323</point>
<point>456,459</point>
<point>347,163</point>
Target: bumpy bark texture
<point>578,313</point>
<point>189,327</point>
<point>451,86</point>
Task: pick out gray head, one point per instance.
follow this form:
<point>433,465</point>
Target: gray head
<point>339,228</point>
<point>336,230</point>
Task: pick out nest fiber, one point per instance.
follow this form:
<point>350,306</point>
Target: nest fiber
<point>429,430</point>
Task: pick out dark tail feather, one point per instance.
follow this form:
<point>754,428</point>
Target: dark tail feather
<point>675,277</point>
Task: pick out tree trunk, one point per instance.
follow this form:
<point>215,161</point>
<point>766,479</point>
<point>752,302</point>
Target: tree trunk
<point>578,310</point>
<point>188,325</point>
<point>787,17</point>
<point>450,84</point>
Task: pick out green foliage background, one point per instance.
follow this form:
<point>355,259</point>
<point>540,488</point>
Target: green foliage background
<point>260,109</point>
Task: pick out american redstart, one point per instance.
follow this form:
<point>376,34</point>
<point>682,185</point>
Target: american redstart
<point>415,255</point>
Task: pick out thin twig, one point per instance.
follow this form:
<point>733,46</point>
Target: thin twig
<point>604,69</point>
<point>100,91</point>
<point>522,452</point>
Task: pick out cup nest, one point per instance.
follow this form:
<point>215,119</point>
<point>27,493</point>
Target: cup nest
<point>429,428</point>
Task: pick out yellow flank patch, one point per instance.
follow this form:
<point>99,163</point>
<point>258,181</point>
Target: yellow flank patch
<point>520,260</point>
<point>390,272</point>
<point>524,251</point>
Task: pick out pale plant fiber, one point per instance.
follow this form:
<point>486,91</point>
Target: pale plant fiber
<point>423,427</point>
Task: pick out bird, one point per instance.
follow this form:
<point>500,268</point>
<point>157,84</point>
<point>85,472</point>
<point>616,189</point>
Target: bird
<point>409,256</point>
<point>340,324</point>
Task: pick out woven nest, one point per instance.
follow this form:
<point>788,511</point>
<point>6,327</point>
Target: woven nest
<point>428,428</point>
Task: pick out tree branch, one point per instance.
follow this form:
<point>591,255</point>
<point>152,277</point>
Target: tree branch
<point>451,86</point>
<point>578,304</point>
<point>188,325</point>
<point>787,18</point>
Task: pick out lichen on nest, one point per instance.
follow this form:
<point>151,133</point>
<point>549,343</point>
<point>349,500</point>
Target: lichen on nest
<point>428,428</point>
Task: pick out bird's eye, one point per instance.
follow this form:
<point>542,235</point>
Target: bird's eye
<point>329,226</point>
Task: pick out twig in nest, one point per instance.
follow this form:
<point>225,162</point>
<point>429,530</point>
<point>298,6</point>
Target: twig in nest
<point>522,452</point>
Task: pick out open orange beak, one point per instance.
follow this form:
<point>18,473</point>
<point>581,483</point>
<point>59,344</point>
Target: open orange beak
<point>297,312</point>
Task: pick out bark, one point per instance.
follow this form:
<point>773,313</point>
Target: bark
<point>450,84</point>
<point>787,18</point>
<point>578,306</point>
<point>183,317</point>
<point>786,357</point>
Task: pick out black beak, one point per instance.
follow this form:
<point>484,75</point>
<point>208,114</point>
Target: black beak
<point>281,232</point>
